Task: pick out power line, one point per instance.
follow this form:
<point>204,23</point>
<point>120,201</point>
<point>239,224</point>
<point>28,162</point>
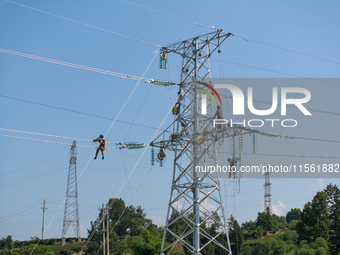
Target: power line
<point>126,180</point>
<point>46,141</point>
<point>57,136</point>
<point>32,177</point>
<point>290,106</point>
<point>311,139</point>
<point>23,210</point>
<point>82,23</point>
<point>242,37</point>
<point>197,24</point>
<point>32,133</point>
<point>32,166</point>
<point>94,153</point>
<point>285,155</point>
<point>281,48</point>
<point>78,112</point>
<point>273,71</point>
<point>87,68</point>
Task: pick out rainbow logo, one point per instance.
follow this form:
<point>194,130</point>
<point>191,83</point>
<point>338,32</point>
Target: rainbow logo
<point>204,101</point>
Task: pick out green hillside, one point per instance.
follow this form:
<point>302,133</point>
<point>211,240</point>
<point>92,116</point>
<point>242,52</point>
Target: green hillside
<point>313,231</point>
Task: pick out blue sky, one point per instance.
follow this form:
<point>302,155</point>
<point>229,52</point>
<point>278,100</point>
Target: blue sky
<point>32,171</point>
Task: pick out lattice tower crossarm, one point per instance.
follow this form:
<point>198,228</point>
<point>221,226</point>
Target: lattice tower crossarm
<point>71,212</point>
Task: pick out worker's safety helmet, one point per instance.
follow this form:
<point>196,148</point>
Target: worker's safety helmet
<point>229,159</point>
<point>218,107</point>
<point>101,136</point>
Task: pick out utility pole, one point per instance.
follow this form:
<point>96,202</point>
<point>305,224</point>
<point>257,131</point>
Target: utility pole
<point>43,221</point>
<point>107,230</point>
<point>71,213</point>
<point>267,195</point>
<point>103,219</point>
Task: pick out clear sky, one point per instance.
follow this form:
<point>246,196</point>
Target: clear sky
<point>31,171</point>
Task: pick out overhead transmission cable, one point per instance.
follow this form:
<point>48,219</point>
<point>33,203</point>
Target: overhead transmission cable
<point>290,106</point>
<point>197,24</point>
<point>82,23</point>
<point>33,133</point>
<point>32,177</point>
<point>285,155</point>
<point>282,48</point>
<point>152,139</point>
<point>87,68</point>
<point>76,182</point>
<point>23,168</point>
<point>57,136</point>
<point>46,141</point>
<point>25,209</point>
<point>242,37</point>
<point>78,112</point>
<point>132,93</point>
<point>273,71</point>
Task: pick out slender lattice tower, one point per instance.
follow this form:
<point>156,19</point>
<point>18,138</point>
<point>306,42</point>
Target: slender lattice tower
<point>71,214</point>
<point>267,195</point>
<point>195,201</point>
<point>193,139</point>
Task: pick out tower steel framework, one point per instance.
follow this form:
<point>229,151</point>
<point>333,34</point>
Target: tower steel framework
<point>195,197</point>
<point>71,213</point>
<point>267,195</point>
<point>193,139</point>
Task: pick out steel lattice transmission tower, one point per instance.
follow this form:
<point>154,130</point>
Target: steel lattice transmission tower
<point>195,197</point>
<point>71,214</point>
<point>267,195</point>
<point>193,139</point>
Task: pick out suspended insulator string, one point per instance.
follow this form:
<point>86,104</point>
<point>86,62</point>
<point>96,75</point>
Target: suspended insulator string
<point>82,23</point>
<point>87,68</point>
<point>290,106</point>
<point>83,113</point>
<point>273,71</point>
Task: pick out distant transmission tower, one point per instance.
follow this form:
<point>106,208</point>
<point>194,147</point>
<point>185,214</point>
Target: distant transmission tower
<point>267,195</point>
<point>71,214</point>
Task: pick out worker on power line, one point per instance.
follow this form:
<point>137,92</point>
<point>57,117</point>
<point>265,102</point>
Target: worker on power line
<point>232,168</point>
<point>101,146</point>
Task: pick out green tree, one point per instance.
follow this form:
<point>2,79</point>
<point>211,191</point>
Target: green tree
<point>249,225</point>
<point>259,232</point>
<point>6,243</point>
<point>293,214</point>
<point>235,235</point>
<point>314,219</point>
<point>264,219</point>
<point>333,204</point>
